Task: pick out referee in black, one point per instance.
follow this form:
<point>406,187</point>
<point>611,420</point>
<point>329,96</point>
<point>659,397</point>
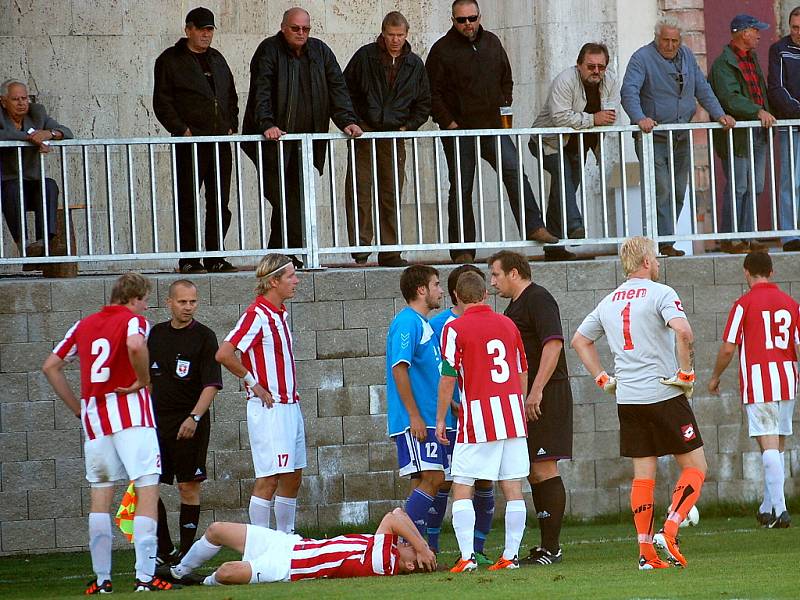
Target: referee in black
<point>535,313</point>
<point>185,378</point>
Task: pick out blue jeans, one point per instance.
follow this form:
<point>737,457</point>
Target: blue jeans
<point>786,214</point>
<point>533,216</point>
<point>664,183</point>
<point>742,184</point>
<point>33,202</point>
<point>572,179</point>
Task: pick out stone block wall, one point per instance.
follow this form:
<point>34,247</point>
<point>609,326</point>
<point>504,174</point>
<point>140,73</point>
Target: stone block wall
<point>339,321</point>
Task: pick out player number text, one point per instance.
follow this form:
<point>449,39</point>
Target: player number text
<point>101,348</point>
<point>782,318</point>
<point>501,372</point>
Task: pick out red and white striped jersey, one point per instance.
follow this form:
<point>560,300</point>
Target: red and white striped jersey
<point>764,323</point>
<point>262,336</point>
<point>353,555</point>
<point>485,350</point>
<point>100,342</point>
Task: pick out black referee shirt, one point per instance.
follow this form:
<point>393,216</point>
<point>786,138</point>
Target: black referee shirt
<point>536,315</point>
<point>181,365</point>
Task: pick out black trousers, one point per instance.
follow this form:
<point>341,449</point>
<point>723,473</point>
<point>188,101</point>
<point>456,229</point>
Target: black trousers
<point>206,178</point>
<point>32,192</point>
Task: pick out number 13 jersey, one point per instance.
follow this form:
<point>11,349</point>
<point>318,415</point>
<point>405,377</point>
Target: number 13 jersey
<point>484,350</point>
<point>634,318</point>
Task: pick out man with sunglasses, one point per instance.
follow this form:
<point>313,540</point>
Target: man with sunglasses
<point>296,86</point>
<point>663,84</point>
<point>583,96</point>
<point>471,80</point>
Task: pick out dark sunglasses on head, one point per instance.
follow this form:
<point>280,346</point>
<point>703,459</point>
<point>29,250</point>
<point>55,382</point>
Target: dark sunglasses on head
<point>471,19</point>
<point>296,28</point>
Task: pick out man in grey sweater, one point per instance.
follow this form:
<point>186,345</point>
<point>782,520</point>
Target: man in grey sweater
<point>662,84</point>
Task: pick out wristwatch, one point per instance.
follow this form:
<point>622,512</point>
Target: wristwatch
<point>195,418</point>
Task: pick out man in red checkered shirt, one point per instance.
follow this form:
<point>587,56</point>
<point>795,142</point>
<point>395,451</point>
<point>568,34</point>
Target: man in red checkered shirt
<point>739,84</point>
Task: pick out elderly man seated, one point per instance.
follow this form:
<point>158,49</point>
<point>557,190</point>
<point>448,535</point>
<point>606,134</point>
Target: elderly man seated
<point>22,120</point>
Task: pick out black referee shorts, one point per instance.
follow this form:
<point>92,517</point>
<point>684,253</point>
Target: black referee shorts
<point>184,460</point>
<point>550,436</point>
<point>658,429</point>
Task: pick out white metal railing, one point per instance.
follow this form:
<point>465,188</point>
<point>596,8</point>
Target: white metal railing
<point>119,197</point>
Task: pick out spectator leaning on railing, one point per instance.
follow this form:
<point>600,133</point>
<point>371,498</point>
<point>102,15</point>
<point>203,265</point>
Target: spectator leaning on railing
<point>194,94</point>
<point>22,120</point>
<point>739,84</point>
<point>663,84</point>
<point>583,96</point>
<point>784,97</point>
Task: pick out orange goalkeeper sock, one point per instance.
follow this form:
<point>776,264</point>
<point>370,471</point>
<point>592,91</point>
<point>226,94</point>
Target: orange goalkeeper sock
<point>684,497</point>
<point>642,506</point>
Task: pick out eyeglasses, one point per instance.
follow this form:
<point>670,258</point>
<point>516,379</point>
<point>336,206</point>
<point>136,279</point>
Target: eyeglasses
<point>598,68</point>
<point>471,19</point>
<point>298,28</point>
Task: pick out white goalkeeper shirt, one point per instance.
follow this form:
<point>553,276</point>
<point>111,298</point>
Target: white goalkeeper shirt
<point>634,319</point>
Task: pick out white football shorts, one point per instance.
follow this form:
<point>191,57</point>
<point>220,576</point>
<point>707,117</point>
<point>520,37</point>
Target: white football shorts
<point>127,454</point>
<point>269,553</point>
<point>492,461</point>
<point>770,418</point>
<point>277,437</point>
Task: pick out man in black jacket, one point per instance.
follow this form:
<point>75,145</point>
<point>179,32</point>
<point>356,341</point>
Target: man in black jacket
<point>470,78</point>
<point>390,92</point>
<point>296,86</point>
<point>194,94</point>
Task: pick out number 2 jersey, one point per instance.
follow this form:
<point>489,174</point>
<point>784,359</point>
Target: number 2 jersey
<point>485,350</point>
<point>100,341</point>
<point>764,324</point>
<point>634,319</point>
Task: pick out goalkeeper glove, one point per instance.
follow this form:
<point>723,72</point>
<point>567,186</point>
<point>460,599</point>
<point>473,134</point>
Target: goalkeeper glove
<point>607,383</point>
<point>682,380</point>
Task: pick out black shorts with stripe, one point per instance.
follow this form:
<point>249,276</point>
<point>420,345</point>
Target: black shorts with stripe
<point>550,436</point>
<point>658,429</point>
<point>184,460</point>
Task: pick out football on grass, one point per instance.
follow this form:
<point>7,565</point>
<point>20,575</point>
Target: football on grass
<point>692,519</point>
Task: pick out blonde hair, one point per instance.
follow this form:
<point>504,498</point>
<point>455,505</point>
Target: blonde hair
<point>129,286</point>
<point>470,288</point>
<point>269,268</point>
<point>633,252</point>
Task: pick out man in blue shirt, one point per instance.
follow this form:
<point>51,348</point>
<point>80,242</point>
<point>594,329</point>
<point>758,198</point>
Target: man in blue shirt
<point>412,381</point>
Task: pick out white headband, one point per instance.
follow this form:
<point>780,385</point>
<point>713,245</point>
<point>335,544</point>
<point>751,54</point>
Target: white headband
<point>277,270</point>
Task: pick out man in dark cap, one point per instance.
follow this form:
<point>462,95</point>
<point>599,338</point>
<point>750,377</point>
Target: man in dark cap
<point>194,94</point>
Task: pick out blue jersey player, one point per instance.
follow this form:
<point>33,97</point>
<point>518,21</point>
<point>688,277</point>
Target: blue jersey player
<point>412,381</point>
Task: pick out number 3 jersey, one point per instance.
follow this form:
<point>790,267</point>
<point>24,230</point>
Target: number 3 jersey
<point>100,341</point>
<point>634,319</point>
<point>484,349</point>
<point>764,324</point>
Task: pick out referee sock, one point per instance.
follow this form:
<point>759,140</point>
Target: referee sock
<point>435,518</point>
<point>285,509</point>
<point>549,500</point>
<point>200,552</point>
<point>684,497</point>
<point>515,527</point>
<point>189,519</point>
<point>483,502</point>
<point>260,510</point>
<point>464,526</point>
<point>418,504</point>
<point>100,545</point>
<point>773,476</point>
<point>144,544</point>
<point>165,546</point>
<point>642,495</point>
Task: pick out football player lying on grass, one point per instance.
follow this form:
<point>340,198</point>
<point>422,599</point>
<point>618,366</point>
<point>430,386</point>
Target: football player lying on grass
<point>268,555</point>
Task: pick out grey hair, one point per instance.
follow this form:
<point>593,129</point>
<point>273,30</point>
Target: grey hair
<point>667,22</point>
<point>289,12</point>
<point>6,85</point>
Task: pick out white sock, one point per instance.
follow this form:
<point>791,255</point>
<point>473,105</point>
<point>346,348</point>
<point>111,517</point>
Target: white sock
<point>285,509</point>
<point>200,552</point>
<point>260,511</point>
<point>100,545</point>
<point>464,526</point>
<point>211,579</point>
<point>515,527</point>
<point>766,504</point>
<point>145,543</point>
<point>773,475</point>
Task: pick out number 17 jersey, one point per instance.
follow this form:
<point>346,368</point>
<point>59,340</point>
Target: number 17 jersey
<point>634,318</point>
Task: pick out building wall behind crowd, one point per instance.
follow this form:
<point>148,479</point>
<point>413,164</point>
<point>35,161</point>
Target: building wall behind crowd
<point>339,320</point>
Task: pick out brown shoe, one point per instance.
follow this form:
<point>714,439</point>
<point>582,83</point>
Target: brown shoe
<point>757,246</point>
<point>732,247</point>
<point>670,250</point>
<point>558,253</point>
<point>465,258</point>
<point>543,236</point>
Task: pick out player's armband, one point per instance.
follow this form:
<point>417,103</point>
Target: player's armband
<point>448,370</point>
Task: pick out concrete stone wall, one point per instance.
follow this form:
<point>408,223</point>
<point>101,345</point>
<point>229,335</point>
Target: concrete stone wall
<point>339,321</point>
